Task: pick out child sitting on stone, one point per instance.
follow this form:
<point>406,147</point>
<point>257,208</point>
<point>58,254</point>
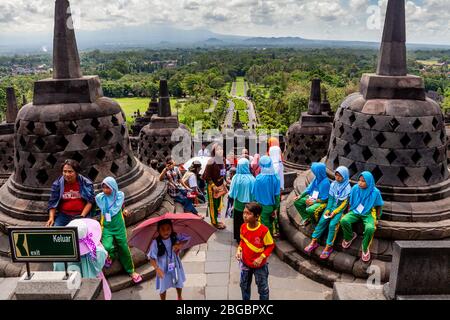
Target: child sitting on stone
<point>314,199</point>
<point>365,205</point>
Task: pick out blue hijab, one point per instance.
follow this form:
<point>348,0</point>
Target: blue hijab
<point>320,182</point>
<point>242,183</point>
<point>369,197</point>
<point>340,191</point>
<point>267,185</point>
<point>113,203</point>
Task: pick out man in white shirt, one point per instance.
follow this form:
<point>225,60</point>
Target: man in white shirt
<point>204,152</point>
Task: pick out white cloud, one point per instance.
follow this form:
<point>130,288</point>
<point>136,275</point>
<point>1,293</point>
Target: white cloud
<point>428,20</point>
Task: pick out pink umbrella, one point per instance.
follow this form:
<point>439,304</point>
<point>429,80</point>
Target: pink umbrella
<point>186,223</point>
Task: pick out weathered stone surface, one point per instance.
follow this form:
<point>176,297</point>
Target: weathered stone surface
<point>420,268</point>
<point>314,99</point>
<point>308,139</point>
<point>66,62</point>
<point>11,105</point>
<point>344,262</point>
<point>360,269</point>
<point>142,121</point>
<point>356,291</point>
<point>158,139</point>
<point>392,57</point>
<point>47,286</point>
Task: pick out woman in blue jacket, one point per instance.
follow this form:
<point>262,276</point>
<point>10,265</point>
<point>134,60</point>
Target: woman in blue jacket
<point>72,196</point>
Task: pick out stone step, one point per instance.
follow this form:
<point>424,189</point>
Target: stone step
<point>338,265</point>
<point>380,249</point>
<point>123,281</point>
<point>7,221</point>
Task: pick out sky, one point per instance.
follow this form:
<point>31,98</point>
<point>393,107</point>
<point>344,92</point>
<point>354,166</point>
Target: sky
<point>428,21</point>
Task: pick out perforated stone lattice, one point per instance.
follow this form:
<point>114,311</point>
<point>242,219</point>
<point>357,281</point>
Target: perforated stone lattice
<point>399,151</point>
<point>305,149</point>
<point>6,156</point>
<point>101,146</point>
<point>155,146</point>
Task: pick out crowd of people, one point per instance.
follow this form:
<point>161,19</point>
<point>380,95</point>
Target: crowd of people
<point>251,184</point>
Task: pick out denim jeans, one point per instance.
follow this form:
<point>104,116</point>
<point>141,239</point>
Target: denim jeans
<point>63,219</point>
<point>261,279</point>
<point>187,204</point>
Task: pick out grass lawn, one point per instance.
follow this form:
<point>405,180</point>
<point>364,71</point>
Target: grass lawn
<point>240,104</point>
<point>240,86</point>
<point>130,105</point>
<point>428,62</point>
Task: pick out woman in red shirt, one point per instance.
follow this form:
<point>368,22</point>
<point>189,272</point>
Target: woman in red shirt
<point>72,196</point>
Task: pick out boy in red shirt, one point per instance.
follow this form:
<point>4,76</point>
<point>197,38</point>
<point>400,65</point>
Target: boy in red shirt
<point>253,251</point>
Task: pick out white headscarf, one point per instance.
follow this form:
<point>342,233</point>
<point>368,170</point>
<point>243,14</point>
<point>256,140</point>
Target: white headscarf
<point>275,155</point>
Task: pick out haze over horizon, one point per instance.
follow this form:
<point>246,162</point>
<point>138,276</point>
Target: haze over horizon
<point>135,21</point>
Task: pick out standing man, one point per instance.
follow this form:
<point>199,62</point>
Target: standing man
<point>204,152</point>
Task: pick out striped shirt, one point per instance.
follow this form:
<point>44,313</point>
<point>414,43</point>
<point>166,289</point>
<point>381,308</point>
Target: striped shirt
<point>255,243</point>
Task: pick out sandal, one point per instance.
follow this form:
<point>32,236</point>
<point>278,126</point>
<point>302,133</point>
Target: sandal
<point>365,257</point>
<point>311,247</point>
<point>108,262</point>
<point>347,244</point>
<point>326,253</point>
<point>219,226</point>
<point>136,278</point>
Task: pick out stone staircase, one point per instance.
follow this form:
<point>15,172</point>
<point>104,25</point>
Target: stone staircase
<point>341,266</point>
<point>116,276</point>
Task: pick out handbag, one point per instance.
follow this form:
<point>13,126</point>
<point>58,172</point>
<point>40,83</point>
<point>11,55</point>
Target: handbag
<point>219,191</point>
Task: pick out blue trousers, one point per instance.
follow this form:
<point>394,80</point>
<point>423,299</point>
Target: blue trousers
<point>187,204</point>
<point>333,227</point>
<point>261,279</point>
<point>63,219</point>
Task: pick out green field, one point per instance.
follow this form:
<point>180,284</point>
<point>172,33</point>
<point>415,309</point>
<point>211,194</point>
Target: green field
<point>240,105</point>
<point>130,105</point>
<point>240,86</point>
<point>428,62</point>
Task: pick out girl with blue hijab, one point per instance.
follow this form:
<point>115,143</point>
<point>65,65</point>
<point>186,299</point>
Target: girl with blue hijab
<point>314,199</point>
<point>337,203</point>
<point>267,191</point>
<point>111,204</point>
<point>365,205</point>
<point>241,191</point>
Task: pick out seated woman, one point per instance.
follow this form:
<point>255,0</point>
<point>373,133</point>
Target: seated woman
<point>191,179</point>
<point>365,205</point>
<point>314,199</point>
<point>172,175</point>
<point>337,203</point>
<point>72,196</point>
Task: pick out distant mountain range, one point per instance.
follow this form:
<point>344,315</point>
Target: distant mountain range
<point>159,36</point>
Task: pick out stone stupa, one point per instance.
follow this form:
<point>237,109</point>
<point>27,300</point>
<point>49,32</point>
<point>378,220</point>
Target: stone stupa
<point>7,136</point>
<point>308,139</point>
<point>391,129</point>
<point>155,139</point>
<point>142,120</point>
<point>69,118</point>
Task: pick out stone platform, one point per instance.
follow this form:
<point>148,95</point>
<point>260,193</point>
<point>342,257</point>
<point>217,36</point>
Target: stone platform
<point>346,264</point>
<point>91,289</point>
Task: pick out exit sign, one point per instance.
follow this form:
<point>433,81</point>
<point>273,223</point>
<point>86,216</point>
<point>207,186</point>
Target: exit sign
<point>58,244</point>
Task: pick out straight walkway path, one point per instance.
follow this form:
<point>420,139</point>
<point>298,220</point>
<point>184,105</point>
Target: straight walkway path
<point>212,273</point>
